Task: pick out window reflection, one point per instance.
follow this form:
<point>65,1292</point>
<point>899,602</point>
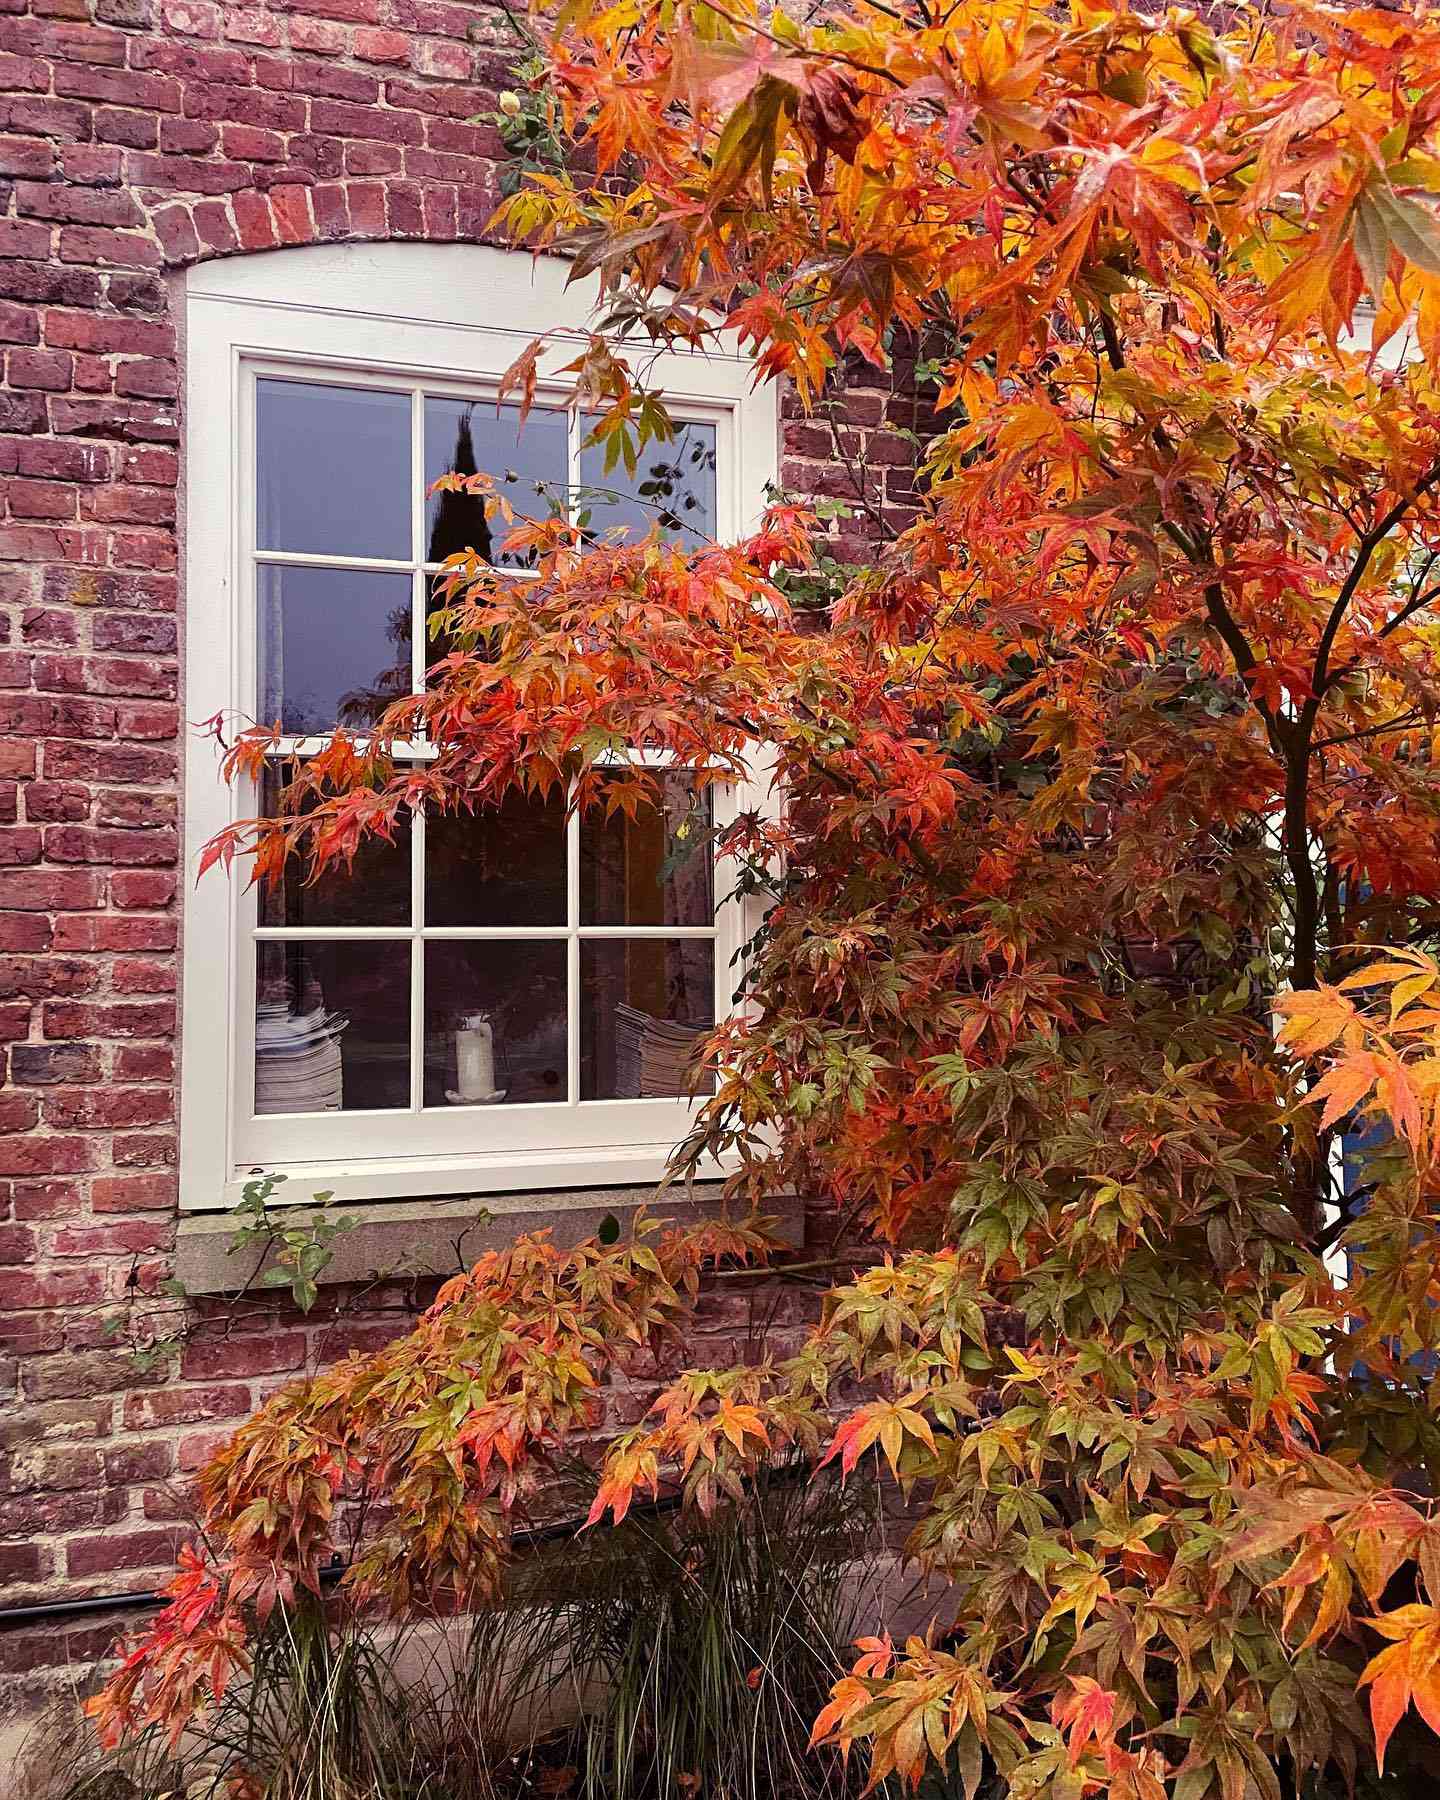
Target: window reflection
<point>332,469</point>
<point>504,865</point>
<point>528,465</point>
<point>372,889</point>
<point>673,487</point>
<point>334,646</point>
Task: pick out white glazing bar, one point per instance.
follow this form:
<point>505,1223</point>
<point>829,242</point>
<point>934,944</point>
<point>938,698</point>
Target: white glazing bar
<point>572,959</point>
<point>329,559</point>
<point>419,648</point>
<point>418,633</point>
<point>417,961</point>
<point>491,933</point>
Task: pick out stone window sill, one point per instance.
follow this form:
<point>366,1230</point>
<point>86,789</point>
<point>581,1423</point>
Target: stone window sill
<point>438,1237</point>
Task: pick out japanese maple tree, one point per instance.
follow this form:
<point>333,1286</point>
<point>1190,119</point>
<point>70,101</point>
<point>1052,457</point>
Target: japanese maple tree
<point>1101,885</point>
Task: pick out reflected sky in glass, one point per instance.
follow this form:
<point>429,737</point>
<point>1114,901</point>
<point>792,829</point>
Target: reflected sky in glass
<point>334,646</point>
<point>332,470</point>
<point>674,485</point>
<point>467,437</point>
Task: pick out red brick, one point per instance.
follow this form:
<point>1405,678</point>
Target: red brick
<point>290,210</point>
<point>323,35</point>
<point>110,249</point>
<point>144,1062</point>
<point>188,137</point>
<point>92,165</point>
<point>19,325</point>
<point>133,1193</point>
<point>44,1156</point>
<point>42,500</point>
<point>24,932</point>
<point>19,846</point>
<point>381,46</point>
<point>64,461</point>
<point>214,226</point>
<point>125,1464</point>
<point>193,18</point>
<point>123,1550</point>
<point>39,1288</point>
<point>81,1375</point>
<point>50,1468</point>
<point>191,62</point>
<point>47,369</point>
<point>138,889</point>
<point>274,1354</point>
<point>84,844</point>
<point>252,25</point>
<point>52,890</point>
<point>144,1152</point>
<point>185,1406</point>
<point>74,1018</point>
<point>123,1237</point>
<point>108,931</point>
<point>46,1199</point>
<point>44,1065</point>
<point>121,125</point>
<point>253,222</point>
<point>43,975</point>
<point>55,800</point>
<point>16,1244</point>
<point>64,205</point>
<point>24,156</point>
<point>175,229</point>
<point>64,119</point>
<point>197,1447</point>
<point>143,978</point>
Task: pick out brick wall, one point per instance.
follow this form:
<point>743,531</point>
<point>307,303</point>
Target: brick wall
<point>136,137</point>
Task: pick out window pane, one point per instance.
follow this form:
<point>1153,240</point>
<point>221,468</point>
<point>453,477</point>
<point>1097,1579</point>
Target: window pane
<point>332,469</point>
<point>655,869</point>
<point>674,486</point>
<point>494,1023</point>
<point>502,866</point>
<point>644,1004</point>
<point>469,437</point>
<point>373,890</point>
<point>334,646</point>
<point>332,1027</point>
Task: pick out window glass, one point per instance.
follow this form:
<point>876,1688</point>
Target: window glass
<point>528,958</point>
<point>332,1026</point>
<point>529,465</point>
<point>334,645</point>
<point>373,889</point>
<point>645,1003</point>
<point>496,1030</point>
<point>332,469</point>
<point>673,486</point>
<point>655,869</point>
<point>500,866</point>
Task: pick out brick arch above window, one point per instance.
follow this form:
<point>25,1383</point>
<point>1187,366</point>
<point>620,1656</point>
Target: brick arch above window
<point>360,209</point>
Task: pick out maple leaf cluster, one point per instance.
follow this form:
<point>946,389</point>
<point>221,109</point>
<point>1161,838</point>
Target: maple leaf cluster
<point>1122,752</point>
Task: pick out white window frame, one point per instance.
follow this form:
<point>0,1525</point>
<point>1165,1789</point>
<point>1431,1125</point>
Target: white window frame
<point>454,317</point>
